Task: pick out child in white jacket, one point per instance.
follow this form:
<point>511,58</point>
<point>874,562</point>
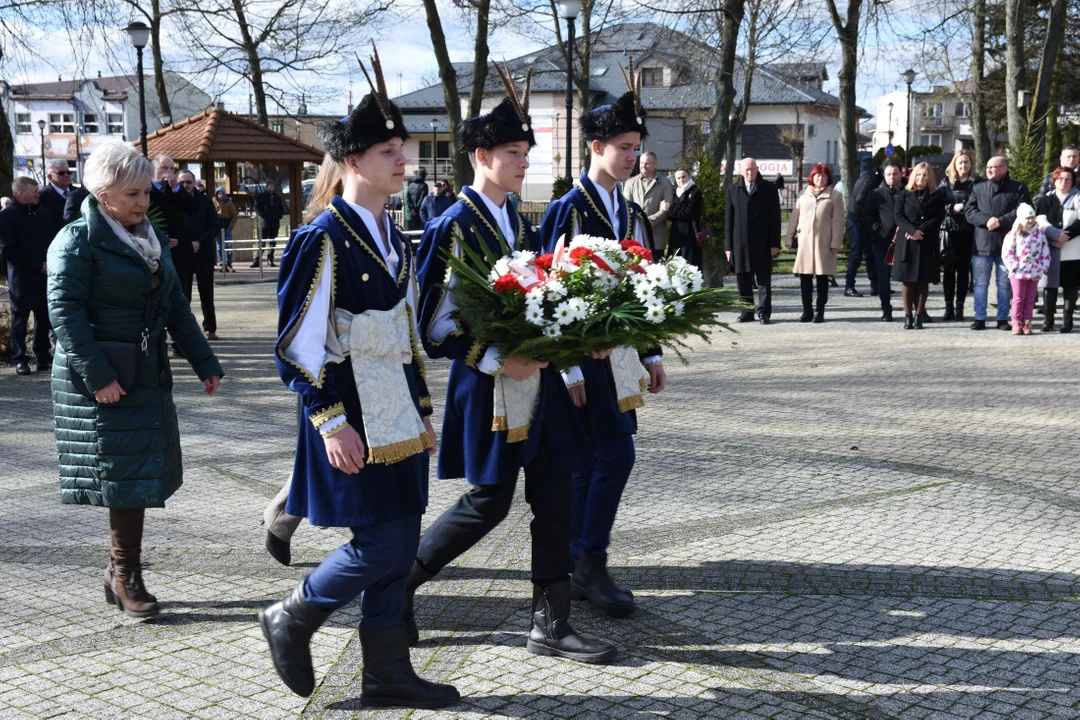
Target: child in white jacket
<point>1026,254</point>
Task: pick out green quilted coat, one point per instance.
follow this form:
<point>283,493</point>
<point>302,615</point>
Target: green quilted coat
<point>125,454</point>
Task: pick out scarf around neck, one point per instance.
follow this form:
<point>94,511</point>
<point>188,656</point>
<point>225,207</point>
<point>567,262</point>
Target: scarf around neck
<point>680,190</point>
<point>143,241</point>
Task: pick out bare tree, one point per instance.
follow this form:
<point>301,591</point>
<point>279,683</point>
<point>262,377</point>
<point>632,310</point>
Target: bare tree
<point>1015,70</point>
<point>847,31</point>
<point>1051,50</point>
<point>978,79</point>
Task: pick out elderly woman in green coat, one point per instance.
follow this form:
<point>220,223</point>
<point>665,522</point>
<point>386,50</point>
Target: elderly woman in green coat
<point>113,293</point>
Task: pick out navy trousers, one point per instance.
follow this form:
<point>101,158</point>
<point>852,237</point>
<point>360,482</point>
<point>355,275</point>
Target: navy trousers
<point>884,272</point>
<point>597,493</point>
<point>375,564</point>
<point>19,321</point>
<point>476,513</point>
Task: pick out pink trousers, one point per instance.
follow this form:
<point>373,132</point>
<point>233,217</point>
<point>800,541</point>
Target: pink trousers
<point>1023,298</point>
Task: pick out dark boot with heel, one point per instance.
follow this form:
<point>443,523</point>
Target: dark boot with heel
<point>1050,296</point>
<point>388,678</point>
<point>417,577</point>
<point>288,626</point>
<point>591,581</point>
<point>124,586</point>
<point>1067,313</point>
<point>551,633</point>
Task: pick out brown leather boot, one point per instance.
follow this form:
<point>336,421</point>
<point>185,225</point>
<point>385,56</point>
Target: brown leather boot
<point>127,591</point>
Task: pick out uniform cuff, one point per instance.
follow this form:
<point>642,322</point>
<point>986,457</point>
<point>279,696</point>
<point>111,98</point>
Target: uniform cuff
<point>653,360</point>
<point>333,413</point>
<point>491,363</point>
<point>573,377</point>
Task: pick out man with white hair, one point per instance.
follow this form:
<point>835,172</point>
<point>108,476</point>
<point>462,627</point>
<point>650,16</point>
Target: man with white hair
<point>654,194</point>
<point>168,201</point>
<point>53,195</point>
<point>752,229</point>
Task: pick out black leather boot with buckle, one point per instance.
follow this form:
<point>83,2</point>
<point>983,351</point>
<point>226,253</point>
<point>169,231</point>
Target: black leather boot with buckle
<point>551,633</point>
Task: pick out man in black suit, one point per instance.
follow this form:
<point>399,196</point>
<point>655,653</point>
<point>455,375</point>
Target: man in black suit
<point>878,216</point>
<point>26,229</point>
<point>53,195</point>
<point>200,233</point>
<point>168,203</point>
<point>752,222</point>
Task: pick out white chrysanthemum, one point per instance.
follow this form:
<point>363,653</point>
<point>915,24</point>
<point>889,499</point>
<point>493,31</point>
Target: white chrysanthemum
<point>655,313</point>
<point>577,308</point>
<point>697,280</point>
<point>680,307</point>
<point>645,294</point>
<point>565,313</point>
<point>553,330</point>
<point>536,295</point>
<point>501,267</point>
<point>555,289</point>
<point>658,276</point>
<point>525,256</point>
<point>534,314</point>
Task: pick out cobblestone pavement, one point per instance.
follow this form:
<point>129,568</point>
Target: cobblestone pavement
<point>826,521</point>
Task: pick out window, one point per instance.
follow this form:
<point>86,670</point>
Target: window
<point>652,77</point>
<point>443,149</point>
<point>73,170</point>
<point>22,124</point>
<point>61,123</point>
<point>90,124</point>
<point>811,130</point>
<point>933,110</point>
<point>961,110</point>
<point>115,123</point>
<point>930,140</point>
<point>278,126</point>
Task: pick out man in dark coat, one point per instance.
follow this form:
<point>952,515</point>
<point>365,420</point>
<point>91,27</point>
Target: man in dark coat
<point>26,229</point>
<point>415,193</point>
<point>860,236</point>
<point>879,219</point>
<point>270,208</point>
<point>53,194</point>
<point>168,203</point>
<point>73,204</point>
<point>752,229</point>
<point>1070,158</point>
<point>201,230</point>
<point>991,208</point>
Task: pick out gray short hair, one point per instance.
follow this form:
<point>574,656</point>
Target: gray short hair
<point>648,154</point>
<point>115,165</point>
<point>22,184</point>
<point>157,161</point>
<point>57,164</point>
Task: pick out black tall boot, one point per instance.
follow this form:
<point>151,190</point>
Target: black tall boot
<point>1050,303</point>
<point>1070,308</point>
<point>822,298</point>
<point>417,577</point>
<point>389,679</point>
<point>551,633</point>
<point>591,581</point>
<point>288,626</point>
<point>806,285</point>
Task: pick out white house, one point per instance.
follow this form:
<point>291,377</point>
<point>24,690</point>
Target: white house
<point>939,117</point>
<point>677,91</point>
<point>80,115</point>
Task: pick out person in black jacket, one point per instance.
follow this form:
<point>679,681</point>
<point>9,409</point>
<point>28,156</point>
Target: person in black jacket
<point>879,217</point>
<point>685,216</point>
<point>438,202</point>
<point>919,212</point>
<point>73,204</point>
<point>859,234</point>
<point>1069,159</point>
<point>956,262</point>
<point>415,193</point>
<point>991,208</point>
<point>752,230</point>
<point>26,229</point>
<point>1058,215</point>
<point>168,203</point>
<point>201,230</point>
<point>270,208</point>
<point>53,194</point>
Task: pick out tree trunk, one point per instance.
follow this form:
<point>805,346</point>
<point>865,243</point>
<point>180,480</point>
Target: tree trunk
<point>7,149</point>
<point>1055,31</point>
<point>251,49</point>
<point>463,173</point>
<point>1053,126</point>
<point>848,34</point>
<point>164,108</point>
<point>978,79</point>
<point>723,80</point>
<point>1014,69</point>
<point>480,58</point>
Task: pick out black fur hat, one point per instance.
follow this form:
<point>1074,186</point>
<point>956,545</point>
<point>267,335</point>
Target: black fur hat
<point>375,120</point>
<point>624,115</point>
<point>508,122</point>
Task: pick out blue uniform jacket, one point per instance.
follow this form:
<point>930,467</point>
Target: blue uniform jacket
<point>470,449</point>
<point>380,492</point>
<point>583,208</point>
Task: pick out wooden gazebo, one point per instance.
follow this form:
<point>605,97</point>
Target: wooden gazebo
<point>219,136</point>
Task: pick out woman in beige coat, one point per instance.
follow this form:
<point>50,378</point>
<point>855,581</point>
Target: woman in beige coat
<point>818,222</point>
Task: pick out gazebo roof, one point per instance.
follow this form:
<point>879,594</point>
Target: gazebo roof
<point>217,135</point>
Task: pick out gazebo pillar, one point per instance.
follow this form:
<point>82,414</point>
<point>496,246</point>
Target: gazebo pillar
<point>230,176</point>
<point>296,195</point>
<point>208,177</point>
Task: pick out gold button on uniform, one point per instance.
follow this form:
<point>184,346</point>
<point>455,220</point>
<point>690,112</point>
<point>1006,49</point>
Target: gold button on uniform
<point>346,243</point>
<point>365,277</point>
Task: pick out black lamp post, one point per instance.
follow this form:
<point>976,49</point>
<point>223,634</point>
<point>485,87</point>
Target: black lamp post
<point>434,153</point>
<point>569,10</point>
<point>909,77</point>
<point>139,33</point>
<point>890,122</point>
<point>44,171</point>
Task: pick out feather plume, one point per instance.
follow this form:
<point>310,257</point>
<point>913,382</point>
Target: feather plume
<point>633,82</point>
<point>378,86</point>
<point>511,89</point>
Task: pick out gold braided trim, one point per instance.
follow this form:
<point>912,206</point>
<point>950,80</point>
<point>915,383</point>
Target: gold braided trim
<point>494,231</point>
<point>474,354</point>
<point>334,431</point>
<point>425,402</point>
<point>518,434</point>
<point>327,255</point>
<point>417,356</point>
<point>455,237</point>
<point>372,253</point>
<point>499,423</point>
<point>327,414</point>
<point>396,452</point>
<point>631,403</point>
<point>643,384</point>
<point>575,384</point>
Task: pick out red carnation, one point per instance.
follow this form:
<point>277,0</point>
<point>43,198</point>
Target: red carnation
<point>580,253</point>
<point>637,249</point>
<point>507,283</point>
<point>544,261</point>
<point>627,244</point>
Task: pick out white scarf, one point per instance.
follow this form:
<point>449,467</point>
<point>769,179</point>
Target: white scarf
<point>683,188</point>
<point>144,241</point>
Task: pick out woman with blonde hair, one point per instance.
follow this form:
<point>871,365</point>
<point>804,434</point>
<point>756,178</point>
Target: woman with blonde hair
<point>956,259</point>
<point>329,182</point>
<point>920,208</point>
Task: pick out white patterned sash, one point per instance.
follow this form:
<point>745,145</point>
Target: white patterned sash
<point>631,378</point>
<point>515,405</point>
<point>379,343</point>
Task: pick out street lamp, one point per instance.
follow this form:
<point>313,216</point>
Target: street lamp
<point>569,10</point>
<point>909,77</point>
<point>44,174</point>
<point>890,106</point>
<point>139,33</point>
<point>434,153</point>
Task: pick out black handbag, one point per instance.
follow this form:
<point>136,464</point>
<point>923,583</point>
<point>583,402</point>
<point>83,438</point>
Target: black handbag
<point>125,358</point>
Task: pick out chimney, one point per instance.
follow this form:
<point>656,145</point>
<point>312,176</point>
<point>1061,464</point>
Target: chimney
<point>59,79</point>
<point>99,73</point>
